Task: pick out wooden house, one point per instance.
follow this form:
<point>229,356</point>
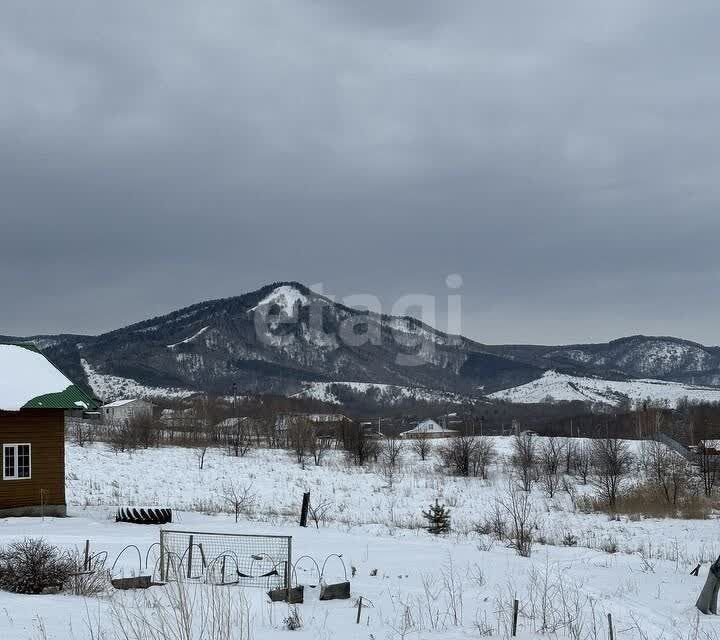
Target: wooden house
<point>34,396</point>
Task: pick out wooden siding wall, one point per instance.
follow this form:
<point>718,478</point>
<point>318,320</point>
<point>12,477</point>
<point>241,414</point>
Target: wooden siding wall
<point>44,429</point>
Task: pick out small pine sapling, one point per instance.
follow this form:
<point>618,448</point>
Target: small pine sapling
<point>438,518</point>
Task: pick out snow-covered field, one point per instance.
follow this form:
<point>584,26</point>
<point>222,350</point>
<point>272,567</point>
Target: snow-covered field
<point>560,387</point>
<point>458,586</point>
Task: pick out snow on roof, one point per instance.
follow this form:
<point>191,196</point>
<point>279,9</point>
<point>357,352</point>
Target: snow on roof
<point>26,374</point>
<point>429,426</point>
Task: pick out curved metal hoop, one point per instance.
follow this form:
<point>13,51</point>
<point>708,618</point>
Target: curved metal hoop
<point>297,562</point>
<point>147,554</point>
<point>342,562</point>
<point>130,546</point>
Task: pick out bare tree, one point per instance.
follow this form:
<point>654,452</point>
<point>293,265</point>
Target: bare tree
<point>360,445</point>
<point>81,432</point>
<point>524,460</point>
<point>238,436</point>
<point>239,497</point>
<point>457,453</point>
<point>318,444</point>
<point>483,456</point>
<point>518,506</point>
<point>708,468</point>
<point>581,462</point>
<point>200,453</point>
<point>390,451</point>
<point>550,456</point>
<point>421,446</point>
<point>665,469</point>
<point>138,431</point>
<point>570,450</point>
<point>300,436</point>
<point>319,512</point>
<point>611,461</point>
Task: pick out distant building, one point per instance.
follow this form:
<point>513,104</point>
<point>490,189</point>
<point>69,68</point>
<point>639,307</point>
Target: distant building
<point>428,429</point>
<point>371,430</point>
<point>124,410</point>
<point>34,396</point>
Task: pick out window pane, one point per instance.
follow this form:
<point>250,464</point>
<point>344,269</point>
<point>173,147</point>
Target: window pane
<point>9,462</point>
<point>24,461</point>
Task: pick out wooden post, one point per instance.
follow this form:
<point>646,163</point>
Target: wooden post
<point>305,508</point>
<point>611,633</point>
<point>223,570</point>
<point>288,566</point>
<point>516,604</point>
<point>357,620</point>
<point>86,564</point>
<point>162,558</point>
<point>189,560</point>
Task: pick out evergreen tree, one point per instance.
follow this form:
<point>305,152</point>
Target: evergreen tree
<point>438,518</point>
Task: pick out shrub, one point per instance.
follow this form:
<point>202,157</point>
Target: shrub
<point>87,581</point>
<point>609,546</point>
<point>32,566</point>
<point>518,506</point>
<point>569,540</point>
<point>648,500</point>
<point>466,456</point>
<point>293,622</point>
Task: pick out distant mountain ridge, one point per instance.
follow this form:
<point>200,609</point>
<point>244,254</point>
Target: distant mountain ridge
<point>282,337</point>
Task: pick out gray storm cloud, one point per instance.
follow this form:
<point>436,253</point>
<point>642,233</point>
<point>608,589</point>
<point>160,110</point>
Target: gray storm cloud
<point>562,157</point>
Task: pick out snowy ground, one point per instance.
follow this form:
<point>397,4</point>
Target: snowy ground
<point>374,525</point>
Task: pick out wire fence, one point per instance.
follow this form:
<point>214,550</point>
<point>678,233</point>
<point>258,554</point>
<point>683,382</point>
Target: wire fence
<point>226,559</point>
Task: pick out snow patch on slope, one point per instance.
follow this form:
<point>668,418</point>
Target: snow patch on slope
<point>190,339</point>
<point>109,387</point>
<point>284,297</point>
<point>560,387</point>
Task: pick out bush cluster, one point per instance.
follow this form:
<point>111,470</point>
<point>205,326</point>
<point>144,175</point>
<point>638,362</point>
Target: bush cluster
<point>33,566</point>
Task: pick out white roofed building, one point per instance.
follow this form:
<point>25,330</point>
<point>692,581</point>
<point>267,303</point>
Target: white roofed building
<point>428,429</point>
<point>124,410</point>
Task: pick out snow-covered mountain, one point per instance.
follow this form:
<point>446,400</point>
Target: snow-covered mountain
<point>284,337</point>
<point>561,387</point>
<point>663,358</point>
<point>276,339</point>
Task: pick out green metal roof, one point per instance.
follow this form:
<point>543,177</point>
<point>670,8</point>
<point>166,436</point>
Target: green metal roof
<point>73,397</point>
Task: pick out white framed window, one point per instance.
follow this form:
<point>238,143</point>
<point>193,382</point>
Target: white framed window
<point>17,463</point>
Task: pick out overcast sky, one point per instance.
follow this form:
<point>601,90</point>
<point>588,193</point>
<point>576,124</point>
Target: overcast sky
<point>562,157</point>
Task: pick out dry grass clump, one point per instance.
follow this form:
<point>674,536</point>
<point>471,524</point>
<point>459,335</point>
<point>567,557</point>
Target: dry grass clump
<point>648,501</point>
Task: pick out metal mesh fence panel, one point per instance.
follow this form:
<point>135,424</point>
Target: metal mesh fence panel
<point>226,558</point>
